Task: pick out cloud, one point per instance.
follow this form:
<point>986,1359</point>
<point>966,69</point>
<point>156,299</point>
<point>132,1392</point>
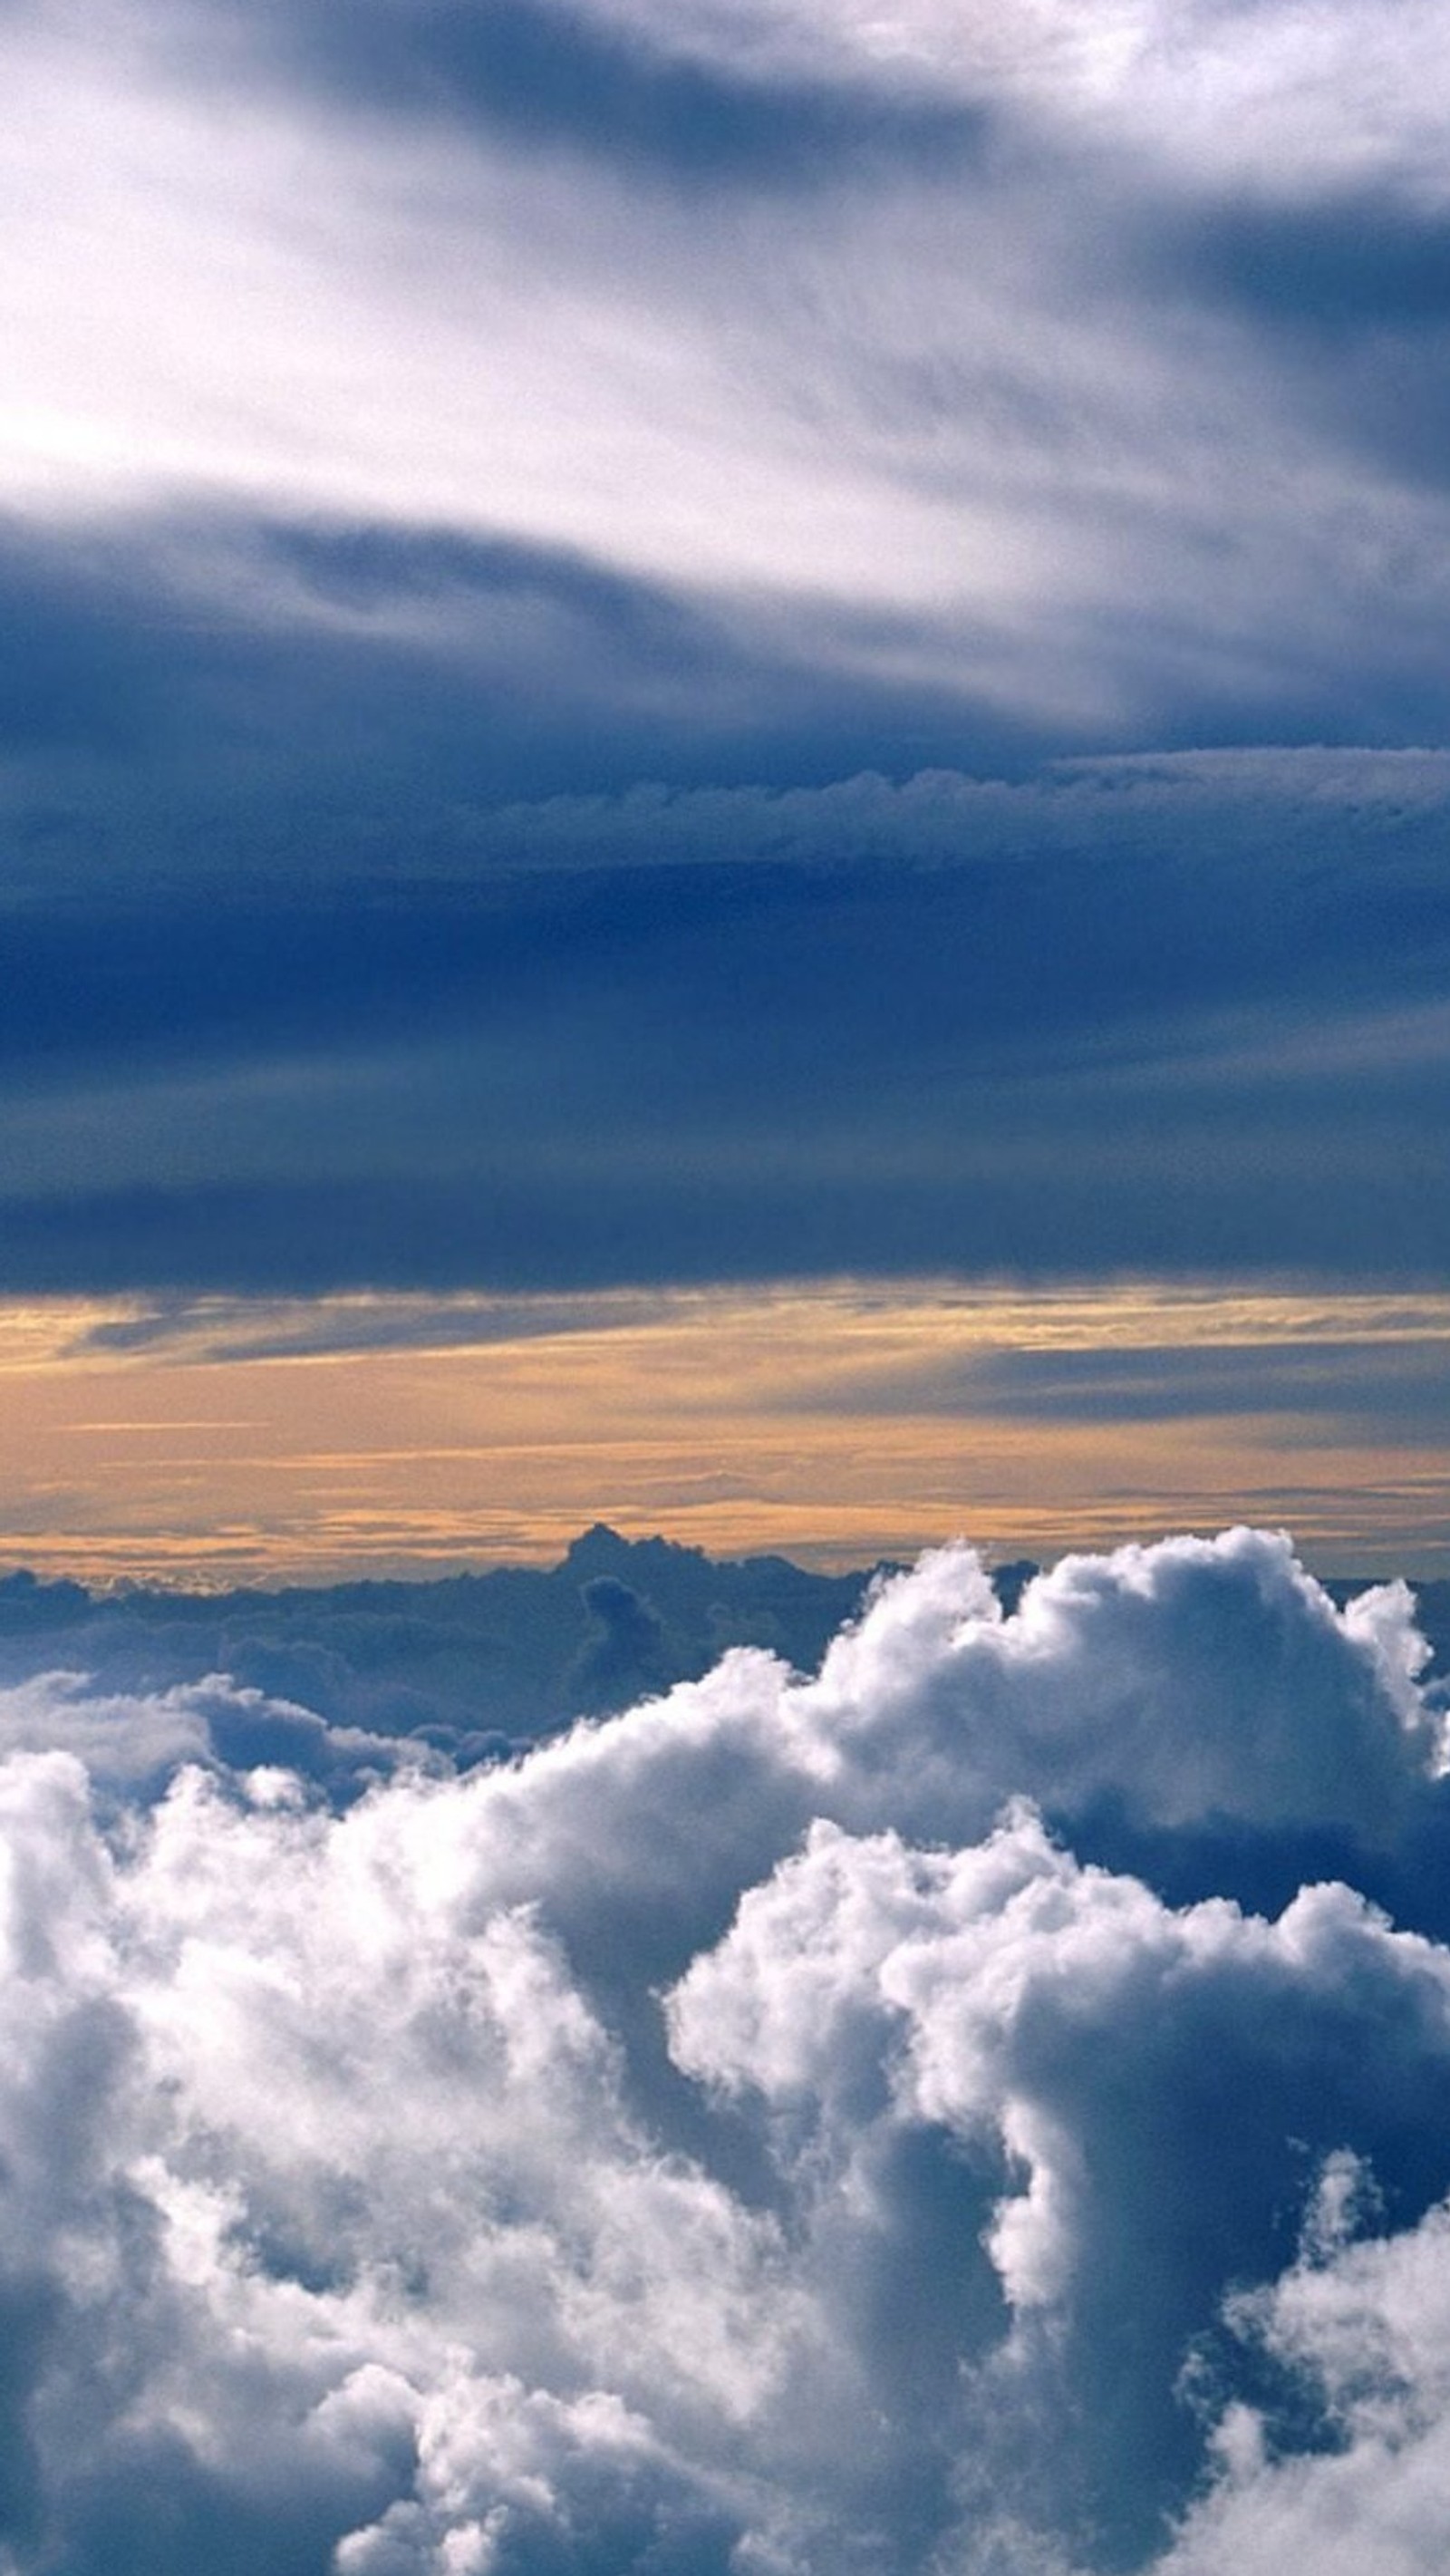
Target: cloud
<point>337,1680</point>
<point>1182,1013</point>
<point>582,80</point>
<point>805,2161</point>
<point>972,399</point>
<point>1165,78</point>
<point>1142,2075</point>
<point>1362,2327</point>
<point>132,1742</point>
<point>1326,1381</point>
<point>121,1742</point>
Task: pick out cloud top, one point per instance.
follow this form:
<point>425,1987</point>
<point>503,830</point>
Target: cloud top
<point>733,2138</point>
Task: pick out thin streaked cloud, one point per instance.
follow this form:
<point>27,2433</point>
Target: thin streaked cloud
<point>839,1421</point>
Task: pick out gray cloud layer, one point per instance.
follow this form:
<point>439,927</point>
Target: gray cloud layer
<point>1176,1013</point>
<point>730,2139</point>
<point>425,426</point>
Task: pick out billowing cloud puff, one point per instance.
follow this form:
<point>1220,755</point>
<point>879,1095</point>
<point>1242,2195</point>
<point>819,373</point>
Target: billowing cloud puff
<point>742,2136</point>
<point>1367,2327</point>
<point>129,1741</point>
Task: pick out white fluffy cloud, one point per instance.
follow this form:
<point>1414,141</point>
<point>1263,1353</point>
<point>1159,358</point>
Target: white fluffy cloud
<point>729,2138</point>
<point>1367,2326</point>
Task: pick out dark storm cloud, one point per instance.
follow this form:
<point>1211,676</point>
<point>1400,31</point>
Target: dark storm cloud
<point>312,1238</point>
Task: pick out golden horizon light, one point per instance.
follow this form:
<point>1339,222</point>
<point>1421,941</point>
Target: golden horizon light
<point>224,1441</point>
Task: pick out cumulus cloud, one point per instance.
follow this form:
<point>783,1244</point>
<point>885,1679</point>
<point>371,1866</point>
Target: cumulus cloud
<point>733,2139</point>
<point>1361,2327</point>
<point>130,1741</point>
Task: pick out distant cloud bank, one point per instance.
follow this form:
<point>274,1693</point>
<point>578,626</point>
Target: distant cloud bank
<point>982,2107</point>
<point>1172,1016</point>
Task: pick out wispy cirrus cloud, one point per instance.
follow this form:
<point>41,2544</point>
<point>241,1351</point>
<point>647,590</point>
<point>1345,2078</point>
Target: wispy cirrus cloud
<point>978,376</point>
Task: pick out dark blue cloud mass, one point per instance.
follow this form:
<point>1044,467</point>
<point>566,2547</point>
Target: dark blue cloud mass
<point>1185,1016</point>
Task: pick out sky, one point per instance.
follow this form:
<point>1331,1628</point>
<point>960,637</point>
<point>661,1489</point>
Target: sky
<point>250,1439</point>
<point>724,767</point>
<point>736,652</point>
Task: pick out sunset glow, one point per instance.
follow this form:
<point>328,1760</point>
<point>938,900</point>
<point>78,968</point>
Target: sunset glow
<point>260,1441</point>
